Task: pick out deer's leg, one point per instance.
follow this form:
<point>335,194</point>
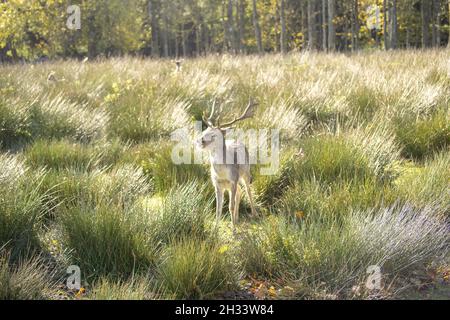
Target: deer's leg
<point>233,189</point>
<point>219,204</point>
<point>248,191</point>
<point>236,205</point>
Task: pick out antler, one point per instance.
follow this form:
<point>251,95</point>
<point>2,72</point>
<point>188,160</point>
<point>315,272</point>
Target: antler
<point>209,120</point>
<point>248,113</point>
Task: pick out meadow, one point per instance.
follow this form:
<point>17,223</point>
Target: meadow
<point>87,178</point>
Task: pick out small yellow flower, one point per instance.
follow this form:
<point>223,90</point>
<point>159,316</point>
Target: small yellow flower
<point>300,214</point>
<point>272,291</point>
<point>223,249</point>
<point>80,292</point>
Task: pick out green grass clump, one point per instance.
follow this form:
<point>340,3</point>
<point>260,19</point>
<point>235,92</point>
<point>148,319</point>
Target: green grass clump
<point>331,158</point>
<point>108,241</point>
<point>26,280</point>
<point>195,269</point>
<point>165,174</point>
<point>135,288</point>
<point>182,214</point>
<point>421,138</point>
<point>427,185</point>
<point>21,207</point>
<point>58,155</point>
<point>398,239</point>
<point>14,124</point>
<point>57,118</point>
<point>311,196</point>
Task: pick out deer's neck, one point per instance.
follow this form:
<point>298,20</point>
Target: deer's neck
<point>218,154</point>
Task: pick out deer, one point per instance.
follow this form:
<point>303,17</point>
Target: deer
<point>228,170</point>
<point>178,64</point>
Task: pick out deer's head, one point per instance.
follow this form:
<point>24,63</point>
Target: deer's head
<point>213,136</point>
<point>178,64</point>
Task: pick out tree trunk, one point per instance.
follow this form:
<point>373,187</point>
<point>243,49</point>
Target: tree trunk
<point>394,26</point>
<point>154,44</point>
<point>448,45</point>
<point>257,28</point>
<point>324,25</point>
<point>385,25</point>
<point>177,49</point>
<point>165,36</point>
<point>230,26</point>
<point>355,26</point>
<point>241,15</point>
<point>283,39</point>
<point>311,25</point>
<point>436,23</point>
<point>331,29</point>
<point>183,41</point>
<point>425,11</point>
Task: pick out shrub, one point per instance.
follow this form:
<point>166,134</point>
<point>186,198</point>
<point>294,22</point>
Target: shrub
<point>196,270</point>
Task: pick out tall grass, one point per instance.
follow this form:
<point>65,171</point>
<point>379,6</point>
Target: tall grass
<point>21,207</point>
<point>89,166</point>
<point>397,239</point>
<point>182,214</point>
<point>107,241</point>
<point>194,270</point>
<point>25,280</point>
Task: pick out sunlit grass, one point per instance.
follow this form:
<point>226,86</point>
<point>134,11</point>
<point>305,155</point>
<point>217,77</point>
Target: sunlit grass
<point>89,159</point>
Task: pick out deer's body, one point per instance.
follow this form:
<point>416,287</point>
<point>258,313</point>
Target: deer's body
<point>230,168</point>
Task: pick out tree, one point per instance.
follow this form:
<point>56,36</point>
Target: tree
<point>425,12</point>
<point>331,27</point>
<point>283,40</point>
<point>311,25</point>
<point>241,19</point>
<point>436,35</point>
<point>355,25</point>
<point>448,45</point>
<point>257,28</point>
<point>394,25</point>
<point>230,27</point>
<point>154,25</point>
<point>324,25</point>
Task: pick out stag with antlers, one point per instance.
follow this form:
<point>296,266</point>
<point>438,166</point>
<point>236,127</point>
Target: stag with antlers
<point>230,165</point>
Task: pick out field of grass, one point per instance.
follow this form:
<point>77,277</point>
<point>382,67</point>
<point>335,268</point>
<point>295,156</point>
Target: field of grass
<point>87,179</point>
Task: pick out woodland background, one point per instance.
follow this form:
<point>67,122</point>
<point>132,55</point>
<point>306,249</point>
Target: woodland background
<point>33,30</point>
